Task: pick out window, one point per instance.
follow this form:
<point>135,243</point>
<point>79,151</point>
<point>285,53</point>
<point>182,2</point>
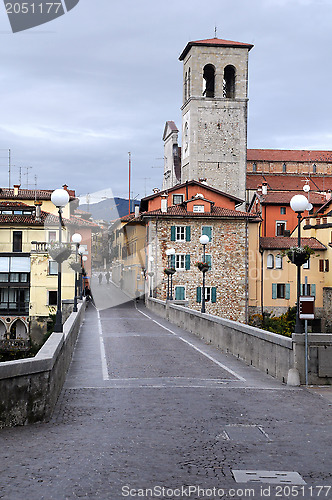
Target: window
<point>52,267</point>
<point>198,208</point>
<point>314,168</point>
<point>283,210</point>
<point>306,265</point>
<point>52,298</point>
<point>177,199</point>
<point>324,265</point>
<point>189,83</point>
<point>207,231</point>
<point>209,80</point>
<point>280,228</point>
<point>284,168</point>
<point>310,290</point>
<point>51,236</point>
<point>17,241</point>
<point>210,294</point>
<point>180,233</point>
<point>180,293</point>
<point>229,82</point>
<point>180,262</point>
<point>281,291</point>
<point>185,86</point>
<point>278,262</point>
<point>208,260</point>
<point>270,261</point>
<point>254,167</point>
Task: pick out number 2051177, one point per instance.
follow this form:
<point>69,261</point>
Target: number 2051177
<point>33,8</point>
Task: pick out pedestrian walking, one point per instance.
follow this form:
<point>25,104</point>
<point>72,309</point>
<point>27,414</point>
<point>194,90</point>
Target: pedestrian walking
<point>107,276</point>
<point>100,278</point>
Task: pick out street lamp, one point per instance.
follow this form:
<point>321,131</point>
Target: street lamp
<point>84,259</point>
<point>80,251</point>
<point>169,253</point>
<point>76,239</point>
<point>59,198</point>
<point>151,273</point>
<point>204,240</point>
<point>299,203</point>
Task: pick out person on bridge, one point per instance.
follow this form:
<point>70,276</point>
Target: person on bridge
<point>100,278</point>
<point>107,276</point>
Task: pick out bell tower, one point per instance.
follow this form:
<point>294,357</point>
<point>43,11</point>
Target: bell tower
<point>214,114</point>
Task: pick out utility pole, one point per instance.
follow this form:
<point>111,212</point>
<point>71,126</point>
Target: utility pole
<point>9,169</point>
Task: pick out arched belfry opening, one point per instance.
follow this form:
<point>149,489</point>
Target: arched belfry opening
<point>185,87</point>
<point>229,82</point>
<point>189,83</point>
<point>209,80</point>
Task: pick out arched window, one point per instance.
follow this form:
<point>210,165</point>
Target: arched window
<point>189,90</point>
<point>284,168</point>
<point>314,168</point>
<point>278,262</point>
<point>18,330</point>
<point>185,86</point>
<point>254,167</point>
<point>209,78</point>
<point>229,82</point>
<point>2,330</point>
<point>270,261</point>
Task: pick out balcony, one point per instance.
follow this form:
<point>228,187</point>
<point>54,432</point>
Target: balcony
<point>14,345</point>
<point>39,247</point>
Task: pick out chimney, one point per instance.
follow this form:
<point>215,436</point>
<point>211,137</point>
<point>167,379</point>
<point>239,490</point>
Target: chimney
<point>16,188</point>
<point>136,211</point>
<point>38,205</point>
<point>328,195</point>
<point>155,190</point>
<point>264,187</point>
<point>259,190</point>
<point>163,205</point>
<point>65,187</point>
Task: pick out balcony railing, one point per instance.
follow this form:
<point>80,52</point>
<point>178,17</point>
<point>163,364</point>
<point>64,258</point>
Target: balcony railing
<point>9,308</point>
<point>39,246</point>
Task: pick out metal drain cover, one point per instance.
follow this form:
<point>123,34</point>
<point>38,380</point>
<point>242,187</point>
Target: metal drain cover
<point>267,476</point>
<point>243,433</point>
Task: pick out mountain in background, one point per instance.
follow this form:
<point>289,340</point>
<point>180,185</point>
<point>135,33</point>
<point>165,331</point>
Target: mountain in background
<point>109,209</point>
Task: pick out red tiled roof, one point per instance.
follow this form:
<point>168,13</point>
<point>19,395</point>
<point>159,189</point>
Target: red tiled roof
<point>180,211</point>
<point>288,182</point>
<point>31,194</point>
<point>214,42</point>
<point>284,197</point>
<point>284,155</point>
<point>283,242</point>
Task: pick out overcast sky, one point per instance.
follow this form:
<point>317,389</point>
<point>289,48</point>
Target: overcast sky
<point>80,92</point>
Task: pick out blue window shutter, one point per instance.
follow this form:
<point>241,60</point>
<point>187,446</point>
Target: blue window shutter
<point>188,233</point>
<point>213,294</point>
<point>172,233</point>
<point>173,260</point>
<point>198,294</point>
<point>287,291</point>
<point>207,230</point>
<point>313,290</point>
<point>188,262</point>
<point>274,290</point>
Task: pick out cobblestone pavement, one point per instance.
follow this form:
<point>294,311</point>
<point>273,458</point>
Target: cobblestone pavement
<point>147,405</point>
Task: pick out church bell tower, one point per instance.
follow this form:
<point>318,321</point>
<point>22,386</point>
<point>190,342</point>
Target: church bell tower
<point>214,114</point>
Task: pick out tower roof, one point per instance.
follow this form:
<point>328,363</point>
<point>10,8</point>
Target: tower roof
<point>214,42</point>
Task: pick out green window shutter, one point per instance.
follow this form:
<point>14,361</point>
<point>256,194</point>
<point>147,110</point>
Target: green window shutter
<point>179,293</point>
<point>188,233</point>
<point>287,291</point>
<point>173,260</point>
<point>313,290</point>
<point>207,230</point>
<point>274,290</point>
<point>198,294</point>
<point>208,259</point>
<point>172,233</point>
<point>213,294</point>
<point>188,262</point>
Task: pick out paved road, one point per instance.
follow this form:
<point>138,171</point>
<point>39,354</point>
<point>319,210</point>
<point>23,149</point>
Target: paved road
<point>147,405</point>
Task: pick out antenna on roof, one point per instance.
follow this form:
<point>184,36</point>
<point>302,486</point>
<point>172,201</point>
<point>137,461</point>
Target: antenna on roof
<point>215,32</point>
<point>35,187</point>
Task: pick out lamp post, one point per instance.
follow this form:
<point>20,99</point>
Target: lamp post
<point>299,203</point>
<point>59,198</point>
<point>151,259</point>
<point>80,251</point>
<point>76,239</point>
<point>84,259</point>
<point>204,240</point>
<point>169,253</point>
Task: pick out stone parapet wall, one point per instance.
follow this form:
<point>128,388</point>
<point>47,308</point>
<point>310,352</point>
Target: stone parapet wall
<point>29,388</point>
<point>273,354</point>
